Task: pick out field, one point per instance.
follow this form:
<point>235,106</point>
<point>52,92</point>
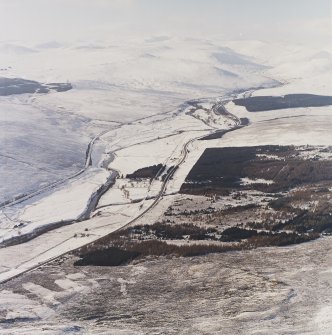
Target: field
<point>235,240</point>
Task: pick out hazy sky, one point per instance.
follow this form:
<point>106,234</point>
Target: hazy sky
<point>68,20</point>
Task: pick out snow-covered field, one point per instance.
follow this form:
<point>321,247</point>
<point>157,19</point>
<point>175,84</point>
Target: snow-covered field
<point>132,115</point>
<point>129,98</point>
<point>37,146</point>
<point>128,103</point>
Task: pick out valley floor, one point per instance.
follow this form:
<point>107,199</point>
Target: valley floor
<point>275,291</point>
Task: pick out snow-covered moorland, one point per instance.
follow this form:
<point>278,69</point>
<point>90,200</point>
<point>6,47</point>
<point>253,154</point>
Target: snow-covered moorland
<point>122,96</point>
<point>127,110</point>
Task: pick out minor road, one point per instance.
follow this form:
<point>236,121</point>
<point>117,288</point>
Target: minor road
<point>184,153</point>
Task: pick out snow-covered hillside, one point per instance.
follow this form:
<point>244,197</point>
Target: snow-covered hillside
<point>45,136</point>
<point>127,110</point>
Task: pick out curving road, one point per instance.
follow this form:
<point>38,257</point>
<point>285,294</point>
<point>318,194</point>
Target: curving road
<point>219,107</point>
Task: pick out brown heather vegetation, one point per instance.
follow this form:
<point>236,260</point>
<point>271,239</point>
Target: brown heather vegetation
<point>296,209</point>
<point>121,248</point>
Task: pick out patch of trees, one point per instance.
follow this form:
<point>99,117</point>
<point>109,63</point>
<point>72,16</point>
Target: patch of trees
<point>267,103</point>
<point>124,251</point>
<point>142,249</point>
<point>220,170</point>
<point>244,121</point>
<point>234,234</point>
<point>10,86</point>
<point>149,172</point>
<point>107,257</point>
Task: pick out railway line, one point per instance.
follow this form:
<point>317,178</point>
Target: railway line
<point>220,108</point>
